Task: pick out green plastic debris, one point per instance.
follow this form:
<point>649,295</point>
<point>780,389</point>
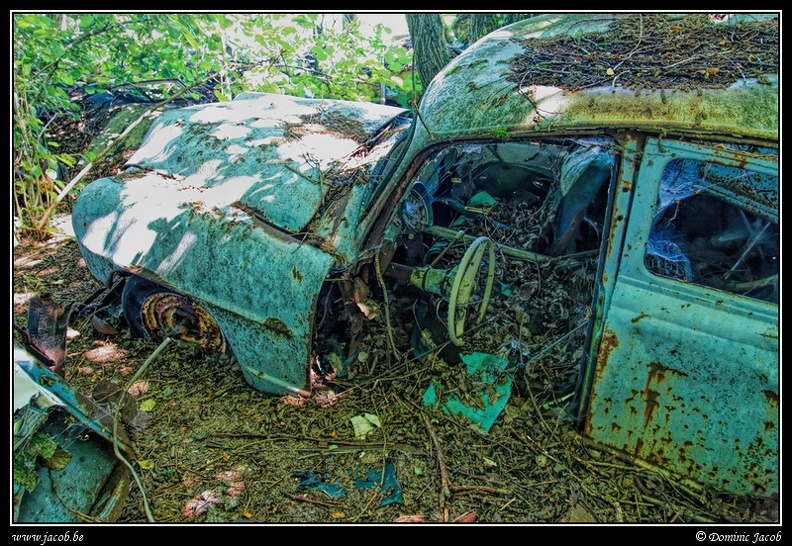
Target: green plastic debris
<point>310,481</point>
<point>493,388</point>
<point>482,199</point>
<point>386,479</point>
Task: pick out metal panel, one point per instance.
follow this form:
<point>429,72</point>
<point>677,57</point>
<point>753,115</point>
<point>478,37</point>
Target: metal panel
<point>687,376</point>
<point>258,283</point>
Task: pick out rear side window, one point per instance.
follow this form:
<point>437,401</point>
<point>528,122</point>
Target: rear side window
<point>706,231</point>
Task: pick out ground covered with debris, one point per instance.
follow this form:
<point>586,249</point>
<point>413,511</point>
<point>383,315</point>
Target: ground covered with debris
<point>212,449</point>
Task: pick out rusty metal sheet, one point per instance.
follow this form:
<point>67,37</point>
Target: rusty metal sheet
<point>239,205</point>
<point>707,410</point>
<point>259,284</point>
<point>687,376</point>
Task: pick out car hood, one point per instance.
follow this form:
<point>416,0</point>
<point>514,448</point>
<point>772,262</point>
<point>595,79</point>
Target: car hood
<point>276,155</point>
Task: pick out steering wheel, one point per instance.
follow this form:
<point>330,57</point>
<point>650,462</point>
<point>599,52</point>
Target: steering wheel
<point>465,280</point>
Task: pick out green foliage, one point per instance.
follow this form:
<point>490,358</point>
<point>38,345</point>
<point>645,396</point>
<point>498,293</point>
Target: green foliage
<point>55,54</point>
<point>41,447</point>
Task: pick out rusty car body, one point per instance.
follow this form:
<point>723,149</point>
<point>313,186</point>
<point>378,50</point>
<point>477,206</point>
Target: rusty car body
<point>240,225</point>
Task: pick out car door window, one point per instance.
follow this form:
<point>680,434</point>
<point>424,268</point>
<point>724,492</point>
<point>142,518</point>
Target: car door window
<point>704,234</point>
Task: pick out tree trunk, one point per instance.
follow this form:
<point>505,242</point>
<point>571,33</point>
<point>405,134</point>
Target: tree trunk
<point>514,17</point>
<point>483,23</point>
<point>429,49</point>
<point>347,19</point>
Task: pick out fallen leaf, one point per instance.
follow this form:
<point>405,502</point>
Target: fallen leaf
<point>467,517</point>
<point>59,460</point>
<point>146,464</point>
<point>579,515</point>
<point>201,503</point>
<point>296,401</point>
<point>325,399</point>
<point>105,352</point>
<point>365,424</point>
<point>138,388</point>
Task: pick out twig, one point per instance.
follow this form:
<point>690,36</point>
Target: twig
<point>381,282</point>
<point>687,485</point>
<point>482,489</point>
<point>301,498</point>
<point>538,410</point>
<point>618,509</point>
<point>365,508</point>
<point>445,489</point>
<point>117,452</point>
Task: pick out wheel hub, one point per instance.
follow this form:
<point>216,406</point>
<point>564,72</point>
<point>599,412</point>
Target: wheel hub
<point>178,317</point>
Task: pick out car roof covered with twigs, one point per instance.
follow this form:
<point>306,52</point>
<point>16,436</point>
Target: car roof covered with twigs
<point>664,73</point>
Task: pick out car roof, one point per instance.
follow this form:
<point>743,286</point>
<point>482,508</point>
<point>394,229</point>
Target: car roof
<point>699,74</point>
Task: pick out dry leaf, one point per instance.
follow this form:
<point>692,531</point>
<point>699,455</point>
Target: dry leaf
<point>138,388</point>
<point>467,517</point>
<point>201,503</point>
<point>105,352</point>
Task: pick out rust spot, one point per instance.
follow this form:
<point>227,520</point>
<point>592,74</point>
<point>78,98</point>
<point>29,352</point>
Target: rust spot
<point>656,370</point>
<point>769,426</point>
<point>657,373</point>
<point>639,317</point>
<point>608,344</point>
<point>771,396</point>
<point>297,275</point>
<point>638,446</point>
<point>278,327</point>
<point>651,404</point>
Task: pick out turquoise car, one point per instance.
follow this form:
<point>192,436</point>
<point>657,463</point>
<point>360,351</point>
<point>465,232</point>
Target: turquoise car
<point>612,158</point>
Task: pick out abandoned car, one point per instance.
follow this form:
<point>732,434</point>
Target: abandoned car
<point>583,157</point>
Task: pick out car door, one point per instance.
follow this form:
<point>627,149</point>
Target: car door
<point>687,369</point>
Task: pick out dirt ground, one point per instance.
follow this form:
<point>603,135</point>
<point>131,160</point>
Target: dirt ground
<point>210,448</point>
